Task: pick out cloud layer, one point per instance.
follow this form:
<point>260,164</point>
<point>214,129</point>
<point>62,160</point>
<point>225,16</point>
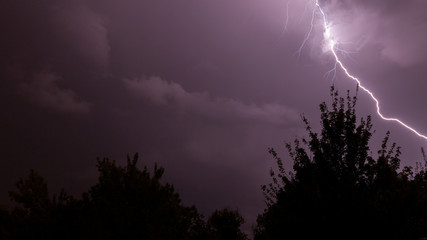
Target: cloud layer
<point>230,86</point>
<point>399,29</point>
<point>162,92</point>
<point>45,91</point>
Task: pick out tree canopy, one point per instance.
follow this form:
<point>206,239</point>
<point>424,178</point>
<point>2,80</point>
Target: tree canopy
<point>126,203</point>
<point>338,190</point>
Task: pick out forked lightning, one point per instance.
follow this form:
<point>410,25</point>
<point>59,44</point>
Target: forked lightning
<point>333,48</point>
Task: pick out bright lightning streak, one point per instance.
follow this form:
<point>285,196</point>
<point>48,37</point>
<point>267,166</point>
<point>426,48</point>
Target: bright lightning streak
<point>287,16</point>
<point>332,46</point>
<point>307,36</point>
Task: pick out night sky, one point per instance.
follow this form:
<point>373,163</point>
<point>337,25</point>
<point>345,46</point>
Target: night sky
<point>202,87</point>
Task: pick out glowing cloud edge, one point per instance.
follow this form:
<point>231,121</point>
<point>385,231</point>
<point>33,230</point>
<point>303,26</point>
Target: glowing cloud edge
<point>332,48</point>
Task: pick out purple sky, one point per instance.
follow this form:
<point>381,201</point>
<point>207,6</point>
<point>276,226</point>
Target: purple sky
<point>203,87</point>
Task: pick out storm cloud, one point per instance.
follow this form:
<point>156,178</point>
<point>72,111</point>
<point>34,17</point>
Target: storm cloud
<point>201,87</point>
<point>162,92</point>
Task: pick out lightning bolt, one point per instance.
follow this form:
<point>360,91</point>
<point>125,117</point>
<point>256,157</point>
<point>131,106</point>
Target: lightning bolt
<point>287,15</point>
<point>332,44</point>
<point>307,36</point>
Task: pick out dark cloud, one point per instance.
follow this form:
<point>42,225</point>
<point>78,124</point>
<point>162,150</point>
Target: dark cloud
<point>82,31</point>
<point>228,110</point>
<point>48,32</point>
<point>230,84</point>
<point>45,91</point>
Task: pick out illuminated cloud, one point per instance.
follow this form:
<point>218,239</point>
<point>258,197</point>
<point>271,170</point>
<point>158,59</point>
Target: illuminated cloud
<point>231,84</point>
<point>400,34</point>
<point>83,31</point>
<point>162,92</point>
<point>45,91</point>
<point>334,50</point>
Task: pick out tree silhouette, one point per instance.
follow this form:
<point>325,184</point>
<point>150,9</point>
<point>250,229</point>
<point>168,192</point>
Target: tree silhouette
<point>32,215</point>
<point>337,190</point>
<point>129,203</point>
<point>225,225</point>
<point>126,203</point>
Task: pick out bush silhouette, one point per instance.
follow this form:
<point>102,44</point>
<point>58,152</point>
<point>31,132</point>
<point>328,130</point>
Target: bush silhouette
<point>337,190</point>
<point>126,203</point>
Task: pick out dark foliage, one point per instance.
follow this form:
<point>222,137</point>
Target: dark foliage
<point>126,203</point>
<point>225,225</point>
<point>337,190</point>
